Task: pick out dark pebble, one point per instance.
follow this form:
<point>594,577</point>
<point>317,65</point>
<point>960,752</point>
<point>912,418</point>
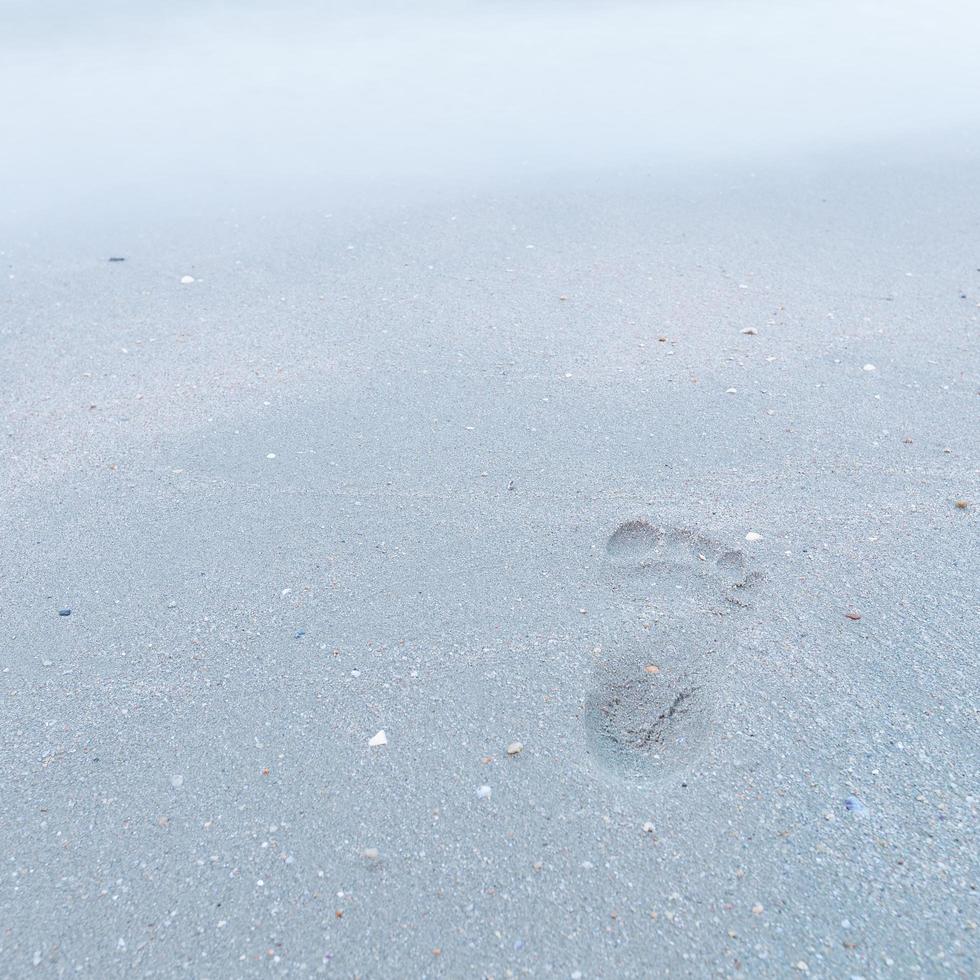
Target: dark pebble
<point>299,633</point>
<point>116,258</point>
<point>64,612</point>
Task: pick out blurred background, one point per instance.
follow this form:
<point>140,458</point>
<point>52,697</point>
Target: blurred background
<point>118,104</point>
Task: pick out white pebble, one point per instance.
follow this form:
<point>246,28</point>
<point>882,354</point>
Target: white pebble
<point>186,280</point>
<point>870,367</point>
<point>731,391</point>
<point>753,536</point>
<point>370,853</point>
<point>749,331</point>
<point>270,455</point>
<point>379,739</point>
<point>515,747</point>
<point>483,792</point>
<point>648,828</point>
<point>176,781</point>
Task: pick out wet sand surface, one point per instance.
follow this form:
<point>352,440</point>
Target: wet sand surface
<point>661,465</point>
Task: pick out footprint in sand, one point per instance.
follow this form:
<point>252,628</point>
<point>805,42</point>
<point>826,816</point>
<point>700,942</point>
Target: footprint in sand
<point>681,598</point>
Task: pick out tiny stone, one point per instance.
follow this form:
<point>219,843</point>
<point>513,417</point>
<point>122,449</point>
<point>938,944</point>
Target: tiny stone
<point>379,739</point>
<point>514,748</point>
<point>749,331</point>
<point>177,781</point>
<point>870,367</point>
<point>753,536</point>
<point>64,612</point>
<point>757,909</point>
<point>483,792</point>
<point>370,853</point>
<point>962,504</point>
<point>652,669</point>
<point>731,391</point>
<point>186,280</point>
<point>648,828</point>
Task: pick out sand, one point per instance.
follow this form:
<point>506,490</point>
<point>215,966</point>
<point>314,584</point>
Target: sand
<point>465,442</point>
